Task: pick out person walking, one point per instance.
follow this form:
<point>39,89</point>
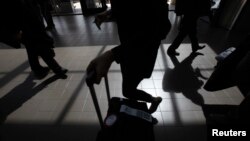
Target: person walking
<point>141,27</point>
<point>25,25</point>
<point>190,11</point>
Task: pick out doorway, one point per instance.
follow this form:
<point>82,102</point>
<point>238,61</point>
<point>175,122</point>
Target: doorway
<point>75,7</point>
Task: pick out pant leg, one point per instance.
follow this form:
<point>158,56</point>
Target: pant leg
<point>183,32</point>
<point>130,79</point>
<point>129,88</point>
<point>47,55</point>
<point>33,58</point>
<point>178,40</point>
<point>137,65</point>
<point>192,31</point>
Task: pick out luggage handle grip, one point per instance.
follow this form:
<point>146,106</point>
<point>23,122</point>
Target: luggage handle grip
<point>90,82</point>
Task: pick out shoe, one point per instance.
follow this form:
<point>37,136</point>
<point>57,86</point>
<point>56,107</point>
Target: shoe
<point>98,22</point>
<point>62,73</point>
<point>172,52</point>
<point>155,103</point>
<point>41,73</point>
<point>99,19</point>
<point>198,48</point>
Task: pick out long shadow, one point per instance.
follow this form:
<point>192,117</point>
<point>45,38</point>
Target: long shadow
<point>174,102</point>
<point>20,94</point>
<point>10,75</point>
<point>183,78</point>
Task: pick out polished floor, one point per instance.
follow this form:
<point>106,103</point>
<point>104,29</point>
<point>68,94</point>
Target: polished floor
<point>54,109</point>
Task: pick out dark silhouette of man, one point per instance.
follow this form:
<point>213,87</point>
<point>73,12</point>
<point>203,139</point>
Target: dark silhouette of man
<point>25,25</point>
<point>190,10</point>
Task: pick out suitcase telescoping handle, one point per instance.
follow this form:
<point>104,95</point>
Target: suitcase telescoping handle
<point>90,80</point>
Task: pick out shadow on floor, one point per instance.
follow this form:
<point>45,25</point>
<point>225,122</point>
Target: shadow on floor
<point>183,78</point>
<point>20,94</point>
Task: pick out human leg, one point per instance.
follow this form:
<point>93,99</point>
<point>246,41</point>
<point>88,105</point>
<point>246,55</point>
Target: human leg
<point>135,66</point>
<point>194,42</point>
<point>130,91</point>
<point>192,33</point>
<point>179,38</point>
<point>129,88</point>
<point>38,70</point>
<point>176,43</point>
<point>47,54</point>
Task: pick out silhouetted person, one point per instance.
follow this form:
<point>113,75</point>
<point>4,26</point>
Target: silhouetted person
<point>26,26</point>
<point>140,31</point>
<point>191,11</point>
<point>46,8</point>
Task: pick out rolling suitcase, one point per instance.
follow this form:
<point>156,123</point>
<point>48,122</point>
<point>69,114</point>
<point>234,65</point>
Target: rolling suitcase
<point>125,120</point>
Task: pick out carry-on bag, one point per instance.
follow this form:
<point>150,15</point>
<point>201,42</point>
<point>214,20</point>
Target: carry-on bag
<point>126,120</point>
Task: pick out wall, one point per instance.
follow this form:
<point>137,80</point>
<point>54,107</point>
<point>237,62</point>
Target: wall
<point>228,13</point>
<point>243,22</point>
